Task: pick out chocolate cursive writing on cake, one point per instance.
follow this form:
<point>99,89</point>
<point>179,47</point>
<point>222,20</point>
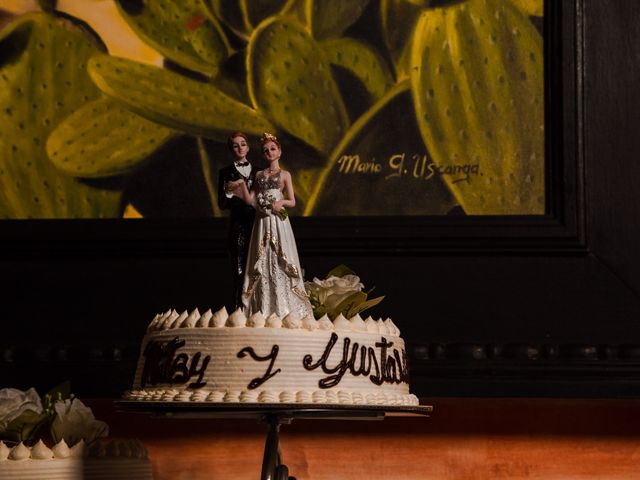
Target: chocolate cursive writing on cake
<point>161,365</point>
<point>391,368</point>
<point>256,382</point>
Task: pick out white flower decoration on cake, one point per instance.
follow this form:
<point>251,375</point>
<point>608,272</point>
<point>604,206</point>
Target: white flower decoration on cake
<point>14,403</point>
<point>75,421</point>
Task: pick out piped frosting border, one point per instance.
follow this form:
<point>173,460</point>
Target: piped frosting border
<point>171,319</point>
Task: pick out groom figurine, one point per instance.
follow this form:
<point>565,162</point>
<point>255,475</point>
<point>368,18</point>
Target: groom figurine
<point>241,215</point>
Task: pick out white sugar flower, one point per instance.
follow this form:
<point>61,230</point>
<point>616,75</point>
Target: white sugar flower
<point>75,421</point>
<point>339,294</point>
<point>333,290</point>
<point>14,402</point>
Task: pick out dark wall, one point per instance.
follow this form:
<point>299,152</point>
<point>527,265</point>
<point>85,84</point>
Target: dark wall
<point>507,307</point>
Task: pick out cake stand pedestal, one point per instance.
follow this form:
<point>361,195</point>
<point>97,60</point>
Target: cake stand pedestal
<point>274,415</point>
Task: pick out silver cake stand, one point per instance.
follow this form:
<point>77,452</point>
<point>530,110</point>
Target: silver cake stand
<point>273,415</point>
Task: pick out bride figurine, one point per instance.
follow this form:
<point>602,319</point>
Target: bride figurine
<point>273,280</point>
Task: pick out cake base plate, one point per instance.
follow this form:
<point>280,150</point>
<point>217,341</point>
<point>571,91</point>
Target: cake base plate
<point>274,415</point>
<point>251,410</point>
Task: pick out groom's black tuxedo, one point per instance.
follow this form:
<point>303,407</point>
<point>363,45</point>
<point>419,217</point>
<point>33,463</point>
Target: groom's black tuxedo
<point>241,218</point>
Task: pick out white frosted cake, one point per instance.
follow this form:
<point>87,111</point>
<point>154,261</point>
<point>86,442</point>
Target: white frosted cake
<point>216,357</point>
<point>112,460</point>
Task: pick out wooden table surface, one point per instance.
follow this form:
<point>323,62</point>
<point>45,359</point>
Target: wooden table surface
<point>463,439</point>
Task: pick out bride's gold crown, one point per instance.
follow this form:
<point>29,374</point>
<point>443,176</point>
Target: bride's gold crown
<point>267,137</point>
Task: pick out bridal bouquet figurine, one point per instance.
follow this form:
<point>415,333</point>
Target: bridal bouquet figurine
<point>267,199</point>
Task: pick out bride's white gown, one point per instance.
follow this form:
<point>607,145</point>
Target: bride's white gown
<point>273,280</point>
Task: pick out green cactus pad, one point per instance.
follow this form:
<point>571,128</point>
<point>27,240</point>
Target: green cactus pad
<point>79,146</point>
<point>290,80</point>
<point>232,77</point>
<point>534,8</point>
<point>259,10</point>
<point>399,18</point>
<point>477,83</point>
<point>381,167</point>
<point>232,87</point>
<point>179,30</point>
<point>330,18</point>
<point>242,16</point>
<point>42,80</point>
<point>173,100</point>
<point>297,10</point>
<point>362,61</point>
<point>232,13</point>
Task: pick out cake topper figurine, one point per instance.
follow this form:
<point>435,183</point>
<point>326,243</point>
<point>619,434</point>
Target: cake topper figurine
<point>273,280</point>
<point>241,215</point>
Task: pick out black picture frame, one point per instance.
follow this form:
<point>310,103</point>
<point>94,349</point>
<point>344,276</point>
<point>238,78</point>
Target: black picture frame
<point>490,306</point>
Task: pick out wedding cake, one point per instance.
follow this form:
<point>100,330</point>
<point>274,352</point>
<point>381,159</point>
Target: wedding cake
<point>222,358</point>
<point>103,460</point>
<point>57,437</point>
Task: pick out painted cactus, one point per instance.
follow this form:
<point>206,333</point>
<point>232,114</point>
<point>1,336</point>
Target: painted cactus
<point>79,147</point>
<point>178,30</point>
<point>389,167</point>
<point>330,18</point>
<point>363,62</point>
<point>530,7</point>
<point>242,16</point>
<point>173,100</point>
<point>42,80</point>
<point>291,81</point>
<point>306,68</point>
<point>477,83</point>
<point>398,20</point>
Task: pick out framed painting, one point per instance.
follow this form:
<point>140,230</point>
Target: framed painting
<point>123,108</point>
<point>420,116</point>
<point>512,268</point>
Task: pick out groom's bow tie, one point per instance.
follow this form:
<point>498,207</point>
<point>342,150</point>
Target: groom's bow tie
<point>242,164</point>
